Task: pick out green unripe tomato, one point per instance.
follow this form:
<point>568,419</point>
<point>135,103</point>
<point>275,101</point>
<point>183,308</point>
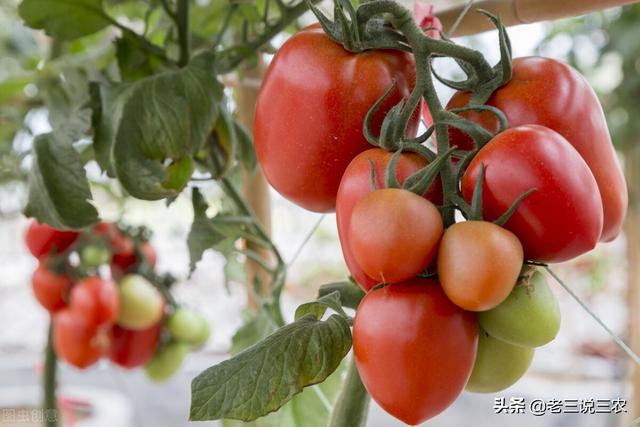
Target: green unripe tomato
<point>498,364</point>
<point>94,256</point>
<point>166,362</point>
<point>204,333</point>
<point>141,304</point>
<point>187,326</point>
<point>530,316</point>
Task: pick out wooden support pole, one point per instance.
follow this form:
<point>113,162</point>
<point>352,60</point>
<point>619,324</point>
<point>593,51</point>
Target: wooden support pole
<point>632,231</point>
<point>255,186</point>
<point>515,12</point>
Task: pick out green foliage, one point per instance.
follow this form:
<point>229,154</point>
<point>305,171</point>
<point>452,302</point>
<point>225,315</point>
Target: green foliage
<point>138,105</point>
<point>265,376</point>
<point>65,19</point>
<point>58,189</point>
<point>165,116</point>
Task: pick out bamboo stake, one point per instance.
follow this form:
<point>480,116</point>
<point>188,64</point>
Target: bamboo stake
<point>515,12</point>
<point>632,231</point>
<point>255,187</point>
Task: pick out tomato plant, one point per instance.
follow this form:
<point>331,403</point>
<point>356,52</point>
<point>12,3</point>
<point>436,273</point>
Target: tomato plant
<point>562,218</point>
<point>42,239</point>
<point>546,92</point>
<point>380,240</point>
<point>172,121</point>
<point>49,287</point>
<point>311,109</point>
<point>356,183</point>
<point>390,331</point>
<point>478,264</point>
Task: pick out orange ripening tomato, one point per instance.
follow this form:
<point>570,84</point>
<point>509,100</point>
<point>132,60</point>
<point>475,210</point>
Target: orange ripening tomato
<point>547,92</point>
<point>394,234</point>
<point>414,349</point>
<point>311,109</point>
<point>356,184</point>
<point>478,264</point>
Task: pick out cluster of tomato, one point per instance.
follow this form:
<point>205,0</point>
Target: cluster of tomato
<point>459,306</point>
<point>112,311</point>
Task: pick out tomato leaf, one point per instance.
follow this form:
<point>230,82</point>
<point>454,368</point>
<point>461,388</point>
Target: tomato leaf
<point>267,375</point>
<point>203,234</point>
<point>311,408</point>
<point>350,293</point>
<point>59,192</point>
<point>163,117</point>
<point>65,19</point>
<point>320,306</point>
<point>134,61</point>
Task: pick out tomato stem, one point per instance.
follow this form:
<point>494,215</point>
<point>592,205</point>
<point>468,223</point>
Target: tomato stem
<point>51,414</point>
<point>352,405</point>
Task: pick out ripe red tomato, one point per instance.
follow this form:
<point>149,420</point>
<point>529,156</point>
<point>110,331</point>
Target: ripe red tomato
<point>311,109</point>
<point>563,217</point>
<point>414,348</point>
<point>478,264</point>
<point>42,239</point>
<point>355,185</point>
<point>546,92</point>
<point>96,300</point>
<point>126,261</point>
<point>394,234</point>
<point>76,341</point>
<point>131,349</point>
<point>49,287</point>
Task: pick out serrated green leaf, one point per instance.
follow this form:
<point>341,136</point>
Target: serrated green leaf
<point>267,375</point>
<point>59,192</point>
<point>64,19</point>
<point>307,409</point>
<point>350,293</point>
<point>165,116</point>
<point>318,307</point>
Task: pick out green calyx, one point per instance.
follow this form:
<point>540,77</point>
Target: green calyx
<point>356,34</point>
